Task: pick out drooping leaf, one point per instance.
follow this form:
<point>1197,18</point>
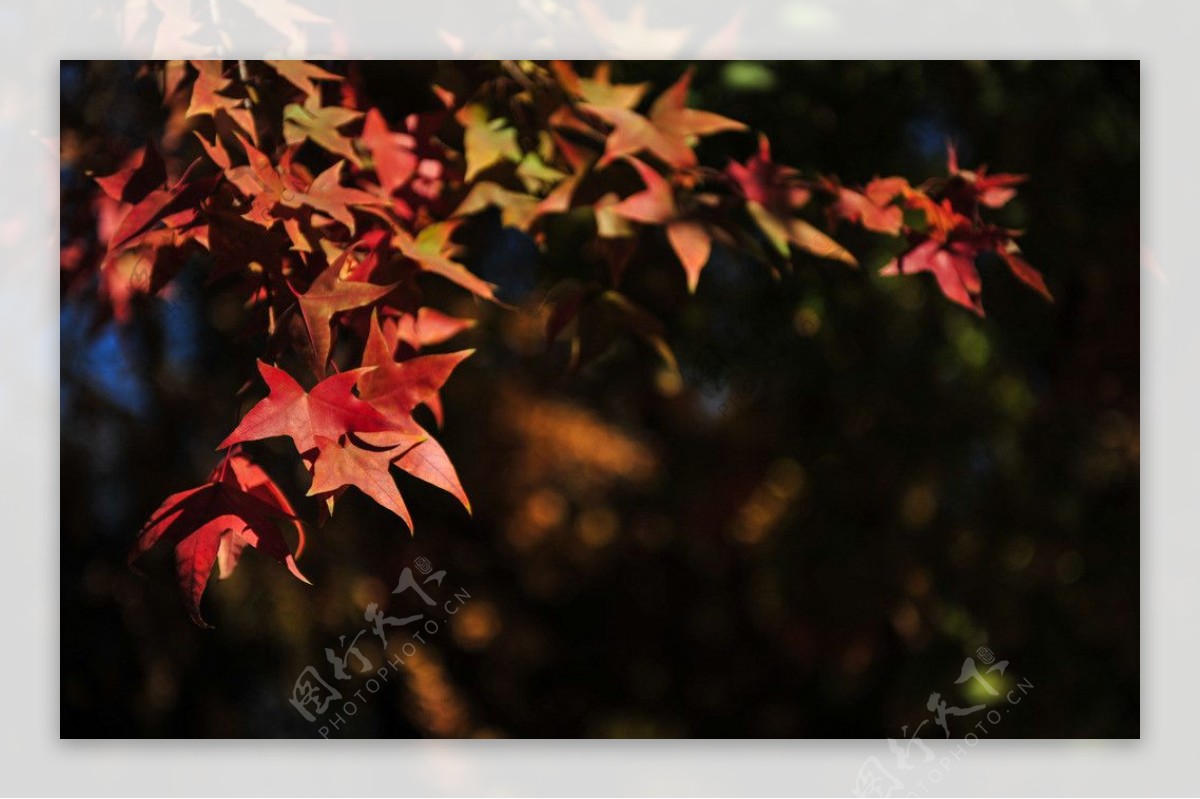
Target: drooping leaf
<point>144,172</point>
<point>197,520</point>
<point>782,231</point>
<point>1024,272</point>
<point>254,480</point>
<point>953,267</point>
<point>693,246</point>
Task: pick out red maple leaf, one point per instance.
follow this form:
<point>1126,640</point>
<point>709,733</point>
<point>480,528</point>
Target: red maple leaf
<point>426,460</point>
<point>270,189</point>
<point>397,387</point>
<point>773,193</point>
<point>326,194</point>
<point>207,98</point>
<point>329,295</point>
<point>156,206</point>
<point>365,467</point>
<point>534,144</point>
<point>873,210</point>
<point>953,267</point>
<point>329,411</point>
<point>774,186</point>
<point>143,172</point>
<point>257,483</point>
<point>392,154</point>
<point>655,205</point>
<point>425,328</point>
<point>976,186</point>
<point>199,519</point>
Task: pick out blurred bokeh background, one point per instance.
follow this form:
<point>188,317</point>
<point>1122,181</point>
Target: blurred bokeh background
<point>856,485</point>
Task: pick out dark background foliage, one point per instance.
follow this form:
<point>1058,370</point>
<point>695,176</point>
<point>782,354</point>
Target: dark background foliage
<point>855,485</point>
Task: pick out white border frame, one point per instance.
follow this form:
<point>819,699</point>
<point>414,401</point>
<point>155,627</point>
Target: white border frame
<point>36,34</point>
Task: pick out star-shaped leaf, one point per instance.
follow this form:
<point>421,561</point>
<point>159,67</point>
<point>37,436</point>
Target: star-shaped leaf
<point>433,251</point>
<point>270,188</point>
<point>517,209</point>
<point>669,130</point>
<point>397,387</point>
<point>773,186</point>
<point>425,328</point>
<point>330,411</point>
<point>320,124</point>
<point>655,205</point>
<point>329,295</point>
<point>486,141</point>
<point>326,194</point>
<point>301,74</point>
<point>207,99</point>
<point>367,468</point>
<point>953,267</point>
<point>391,153</point>
<point>993,191</point>
<point>425,461</point>
<point>599,90</point>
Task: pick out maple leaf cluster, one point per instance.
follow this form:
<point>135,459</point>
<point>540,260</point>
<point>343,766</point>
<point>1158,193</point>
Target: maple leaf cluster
<point>328,218</point>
